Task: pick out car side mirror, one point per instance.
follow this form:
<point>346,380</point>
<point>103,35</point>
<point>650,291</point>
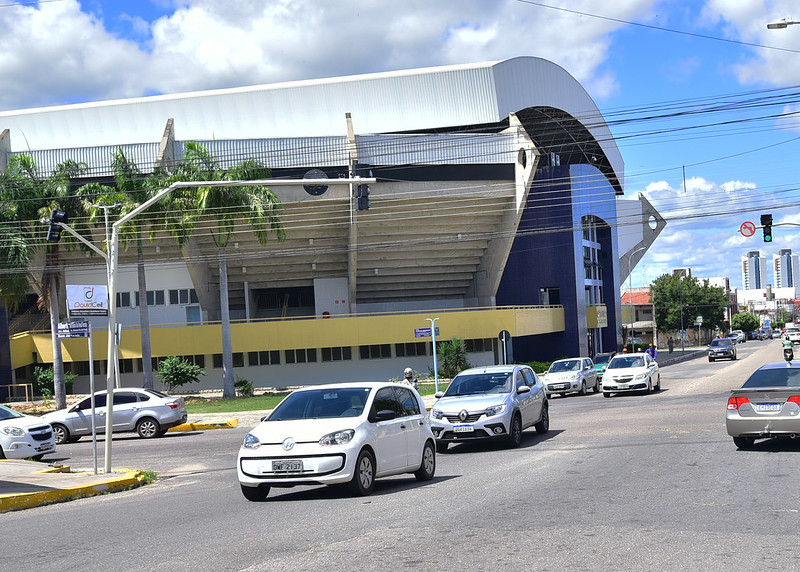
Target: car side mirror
<point>385,415</point>
<point>523,389</point>
<point>439,394</point>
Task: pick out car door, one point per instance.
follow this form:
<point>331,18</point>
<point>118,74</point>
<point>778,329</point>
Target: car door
<point>536,395</point>
<point>126,406</point>
<point>79,418</point>
<point>414,424</point>
<point>391,450</point>
<point>589,373</point>
<point>524,398</point>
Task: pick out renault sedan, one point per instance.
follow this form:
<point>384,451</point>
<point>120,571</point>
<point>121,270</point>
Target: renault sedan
<point>493,402</point>
<point>767,405</point>
<point>348,433</point>
<point>23,436</point>
<point>628,373</point>
<point>148,412</point>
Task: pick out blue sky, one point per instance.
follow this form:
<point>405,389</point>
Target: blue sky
<point>636,58</point>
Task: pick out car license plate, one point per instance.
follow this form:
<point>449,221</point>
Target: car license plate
<point>768,407</point>
<point>287,466</point>
<point>462,429</point>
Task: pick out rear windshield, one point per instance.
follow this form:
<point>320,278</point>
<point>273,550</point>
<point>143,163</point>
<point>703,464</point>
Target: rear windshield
<point>774,377</point>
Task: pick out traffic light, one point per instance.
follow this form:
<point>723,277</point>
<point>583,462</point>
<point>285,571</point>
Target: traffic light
<point>362,197</point>
<point>766,223</point>
<point>54,232</point>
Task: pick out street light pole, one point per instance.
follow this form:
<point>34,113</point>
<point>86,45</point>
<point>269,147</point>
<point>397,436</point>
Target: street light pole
<point>780,24</point>
<point>435,364</point>
<point>630,293</point>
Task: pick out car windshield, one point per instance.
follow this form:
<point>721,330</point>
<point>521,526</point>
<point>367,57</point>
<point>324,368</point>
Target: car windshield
<point>774,377</point>
<point>627,361</point>
<point>720,342</point>
<point>322,404</point>
<point>567,365</point>
<point>479,383</point>
<point>602,358</point>
<point>6,413</point>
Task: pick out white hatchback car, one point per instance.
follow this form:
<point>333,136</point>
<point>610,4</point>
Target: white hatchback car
<point>339,433</point>
<point>572,375</point>
<point>631,373</point>
<point>23,436</point>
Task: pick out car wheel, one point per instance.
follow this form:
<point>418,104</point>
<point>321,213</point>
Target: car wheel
<point>255,494</point>
<point>744,442</point>
<point>711,359</point>
<point>734,357</point>
<point>658,383</point>
<point>363,480</point>
<point>515,433</point>
<point>597,386</point>
<point>428,466</point>
<point>543,426</point>
<point>147,428</point>
<point>583,388</point>
<point>649,388</point>
<point>61,434</point>
<point>441,447</point>
<point>606,394</point>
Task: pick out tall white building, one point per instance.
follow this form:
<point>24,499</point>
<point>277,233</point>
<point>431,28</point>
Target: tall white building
<point>787,269</point>
<point>754,271</point>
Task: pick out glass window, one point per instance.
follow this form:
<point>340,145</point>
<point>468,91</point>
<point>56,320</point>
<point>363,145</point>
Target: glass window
<point>527,374</point>
<point>386,399</point>
<point>408,401</point>
<point>121,397</point>
<point>99,401</point>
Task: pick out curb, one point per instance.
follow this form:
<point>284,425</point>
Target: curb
<point>126,479</point>
<point>230,424</point>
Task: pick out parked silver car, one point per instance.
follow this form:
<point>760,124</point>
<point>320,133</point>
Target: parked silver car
<point>572,375</point>
<point>492,402</point>
<point>147,412</point>
<point>767,405</point>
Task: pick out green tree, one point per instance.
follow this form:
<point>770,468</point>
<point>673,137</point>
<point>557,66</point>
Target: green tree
<point>678,301</point>
<point>223,206</point>
<point>175,372</point>
<point>452,357</point>
<point>744,321</point>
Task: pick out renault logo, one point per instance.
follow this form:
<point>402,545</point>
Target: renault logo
<point>463,415</point>
<point>288,444</point>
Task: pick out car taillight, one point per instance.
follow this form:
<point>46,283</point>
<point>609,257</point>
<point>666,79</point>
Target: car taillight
<point>737,402</point>
<point>173,404</point>
<point>794,399</point>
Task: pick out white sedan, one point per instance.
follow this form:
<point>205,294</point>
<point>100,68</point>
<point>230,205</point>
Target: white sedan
<point>340,433</point>
<point>23,436</point>
<point>631,373</point>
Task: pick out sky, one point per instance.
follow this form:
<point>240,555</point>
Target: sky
<point>701,97</point>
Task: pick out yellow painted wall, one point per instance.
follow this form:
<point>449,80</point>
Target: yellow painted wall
<point>299,333</point>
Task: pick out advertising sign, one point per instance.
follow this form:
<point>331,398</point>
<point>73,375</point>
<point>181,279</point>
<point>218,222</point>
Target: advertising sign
<point>87,300</point>
<point>73,330</point>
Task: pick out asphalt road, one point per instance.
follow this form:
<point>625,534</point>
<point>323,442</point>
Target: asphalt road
<point>632,482</point>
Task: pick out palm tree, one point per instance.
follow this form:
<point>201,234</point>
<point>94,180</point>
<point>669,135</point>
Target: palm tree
<point>225,205</point>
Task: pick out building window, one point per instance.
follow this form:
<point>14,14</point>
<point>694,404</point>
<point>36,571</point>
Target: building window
<point>154,298</point>
<point>238,360</point>
<point>375,351</point>
<point>126,366</point>
<point>183,296</point>
<point>337,354</point>
<point>479,345</point>
<point>264,358</point>
<point>411,350</point>
<point>123,299</point>
<point>305,355</point>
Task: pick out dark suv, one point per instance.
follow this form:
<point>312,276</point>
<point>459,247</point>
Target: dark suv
<point>722,348</point>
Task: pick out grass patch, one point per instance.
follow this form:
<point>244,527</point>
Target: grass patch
<point>219,405</point>
<point>148,477</point>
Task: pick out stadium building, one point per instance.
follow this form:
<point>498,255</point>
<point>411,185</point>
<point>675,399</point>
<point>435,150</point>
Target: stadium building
<point>497,212</point>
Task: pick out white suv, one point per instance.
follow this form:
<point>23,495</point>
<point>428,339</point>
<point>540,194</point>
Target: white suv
<point>792,333</point>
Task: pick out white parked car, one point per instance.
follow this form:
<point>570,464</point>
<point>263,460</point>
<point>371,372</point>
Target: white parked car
<point>792,333</point>
<point>148,412</point>
<point>492,402</point>
<point>572,375</point>
<point>340,433</point>
<point>631,373</point>
<point>23,436</point>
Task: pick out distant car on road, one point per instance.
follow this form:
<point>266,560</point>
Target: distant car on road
<point>722,348</point>
<point>767,405</point>
<point>776,334</point>
<point>347,433</point>
<point>23,436</point>
<point>572,375</point>
<point>492,402</point>
<point>792,333</point>
<point>148,412</point>
<point>739,335</point>
<point>631,373</point>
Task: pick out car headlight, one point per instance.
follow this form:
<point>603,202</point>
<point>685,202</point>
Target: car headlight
<point>338,437</point>
<point>437,413</point>
<point>14,431</point>
<point>251,442</point>
<point>496,410</point>
<point>640,377</point>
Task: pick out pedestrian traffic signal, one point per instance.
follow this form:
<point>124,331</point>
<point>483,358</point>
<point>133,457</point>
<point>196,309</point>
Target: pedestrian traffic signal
<point>54,232</point>
<point>362,197</point>
<point>766,223</point>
